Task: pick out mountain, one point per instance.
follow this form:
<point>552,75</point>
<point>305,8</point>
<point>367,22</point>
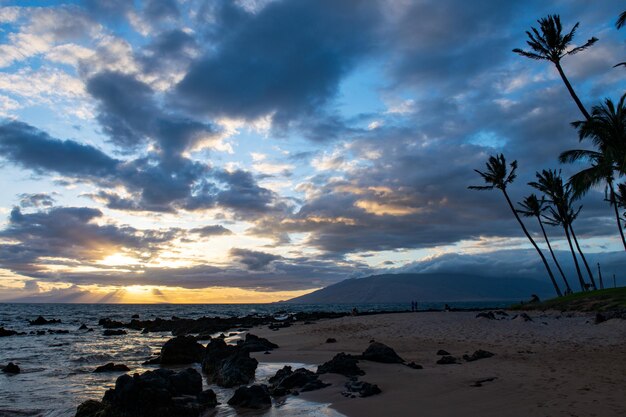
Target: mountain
<point>404,288</point>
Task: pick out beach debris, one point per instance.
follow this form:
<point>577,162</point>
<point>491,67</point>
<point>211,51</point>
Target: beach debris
<point>379,352</point>
<point>342,364</point>
<point>227,365</point>
<point>40,321</point>
<point>479,354</point>
<point>285,380</point>
<point>447,360</point>
<point>7,332</point>
<point>364,389</point>
<point>414,365</point>
<point>110,332</point>
<point>111,367</point>
<point>180,350</point>
<point>442,352</point>
<point>480,382</point>
<point>522,317</point>
<point>11,368</point>
<point>161,392</point>
<point>608,315</point>
<point>256,344</point>
<point>256,397</point>
<point>331,340</point>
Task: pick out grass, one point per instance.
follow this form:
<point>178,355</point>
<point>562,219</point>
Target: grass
<point>599,300</point>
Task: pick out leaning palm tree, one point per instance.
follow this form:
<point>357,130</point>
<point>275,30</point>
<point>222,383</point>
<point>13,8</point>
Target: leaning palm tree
<point>498,176</point>
<point>621,20</point>
<point>561,197</point>
<point>550,44</point>
<point>606,128</point>
<point>531,206</point>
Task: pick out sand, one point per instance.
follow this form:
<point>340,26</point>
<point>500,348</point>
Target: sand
<point>556,365</point>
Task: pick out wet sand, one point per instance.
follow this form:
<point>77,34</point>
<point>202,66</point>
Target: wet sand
<point>555,365</point>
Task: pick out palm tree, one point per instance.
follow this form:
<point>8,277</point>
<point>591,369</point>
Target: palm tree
<point>561,197</point>
<point>606,128</point>
<point>534,207</point>
<point>621,20</point>
<point>497,176</point>
<point>550,44</point>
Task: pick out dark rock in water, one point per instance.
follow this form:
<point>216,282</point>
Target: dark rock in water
<point>134,316</point>
<point>11,368</point>
<point>442,352</point>
<point>110,324</point>
<point>414,365</point>
<point>232,334</point>
<point>286,380</point>
<point>364,389</point>
<point>341,364</point>
<point>256,344</point>
<point>522,317</point>
<point>331,340</point>
<point>379,352</point>
<point>181,350</point>
<point>479,354</point>
<point>256,397</point>
<point>41,332</point>
<point>83,327</point>
<point>40,321</point>
<point>159,393</point>
<point>111,367</point>
<point>228,366</point>
<point>51,331</point>
<point>114,332</point>
<point>486,315</point>
<point>608,315</point>
<point>6,332</point>
<point>447,360</point>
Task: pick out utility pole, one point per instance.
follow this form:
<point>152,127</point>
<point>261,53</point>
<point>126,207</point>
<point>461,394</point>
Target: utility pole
<point>600,277</point>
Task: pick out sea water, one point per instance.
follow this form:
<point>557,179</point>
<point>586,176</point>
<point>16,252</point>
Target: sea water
<point>57,369</point>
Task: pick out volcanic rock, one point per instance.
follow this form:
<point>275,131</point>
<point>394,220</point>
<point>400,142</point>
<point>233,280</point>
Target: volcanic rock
<point>379,352</point>
<point>256,397</point>
<point>341,364</point>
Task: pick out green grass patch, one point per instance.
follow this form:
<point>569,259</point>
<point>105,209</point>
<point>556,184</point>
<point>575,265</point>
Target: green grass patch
<point>600,300</point>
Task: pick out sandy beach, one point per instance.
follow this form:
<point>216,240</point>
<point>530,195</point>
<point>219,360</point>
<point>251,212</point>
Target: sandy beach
<point>556,365</point>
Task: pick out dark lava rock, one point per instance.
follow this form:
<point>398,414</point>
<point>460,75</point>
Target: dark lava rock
<point>486,315</point>
<point>341,364</point>
<point>479,354</point>
<point>159,393</point>
<point>501,313</point>
<point>414,365</point>
<point>41,332</point>
<point>110,324</point>
<point>51,331</point>
<point>379,352</point>
<point>442,352</point>
<point>608,315</point>
<point>364,389</point>
<point>256,344</point>
<point>447,360</point>
<point>111,367</point>
<point>522,317</point>
<point>228,366</point>
<point>6,332</point>
<point>256,397</point>
<point>181,350</point>
<point>109,332</point>
<point>480,382</point>
<point>134,316</point>
<point>286,380</point>
<point>40,321</point>
<point>331,340</point>
<point>83,327</point>
<point>11,368</point>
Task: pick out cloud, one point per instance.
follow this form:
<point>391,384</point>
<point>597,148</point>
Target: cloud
<point>213,230</point>
<point>36,200</point>
<point>253,260</point>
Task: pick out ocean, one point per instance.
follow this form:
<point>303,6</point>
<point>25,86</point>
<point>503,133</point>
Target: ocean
<point>57,369</point>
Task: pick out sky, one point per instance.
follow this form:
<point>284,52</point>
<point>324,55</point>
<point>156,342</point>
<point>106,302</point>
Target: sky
<point>230,151</point>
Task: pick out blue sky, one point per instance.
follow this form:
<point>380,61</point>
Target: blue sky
<point>253,150</point>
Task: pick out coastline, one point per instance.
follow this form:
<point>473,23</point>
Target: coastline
<point>559,364</point>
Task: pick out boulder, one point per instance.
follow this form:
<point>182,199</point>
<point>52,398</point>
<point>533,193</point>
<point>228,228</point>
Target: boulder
<point>486,315</point>
<point>447,360</point>
<point>182,350</point>
<point>364,389</point>
<point>109,332</point>
<point>11,368</point>
<point>110,324</point>
<point>379,352</point>
<point>6,332</point>
<point>256,397</point>
<point>522,317</point>
<point>159,393</point>
<point>286,380</point>
<point>414,365</point>
<point>331,340</point>
<point>341,364</point>
<point>83,327</point>
<point>442,352</point>
<point>228,366</point>
<point>479,354</point>
<point>608,315</point>
<point>40,321</point>
<point>111,367</point>
<point>256,344</point>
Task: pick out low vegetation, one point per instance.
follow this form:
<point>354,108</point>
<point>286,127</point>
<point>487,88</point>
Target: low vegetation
<point>600,300</point>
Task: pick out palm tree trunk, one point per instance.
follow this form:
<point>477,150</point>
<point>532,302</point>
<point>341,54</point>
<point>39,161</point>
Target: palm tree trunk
<point>571,248</point>
<point>614,204</point>
<point>532,241</point>
<point>593,281</point>
<point>545,236</point>
<point>571,91</point>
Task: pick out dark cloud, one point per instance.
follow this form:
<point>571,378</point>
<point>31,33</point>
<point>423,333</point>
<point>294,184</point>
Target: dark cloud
<point>160,9</point>
<point>253,260</point>
<point>36,200</point>
<point>31,148</point>
<point>288,58</point>
<point>213,230</point>
<point>169,51</point>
